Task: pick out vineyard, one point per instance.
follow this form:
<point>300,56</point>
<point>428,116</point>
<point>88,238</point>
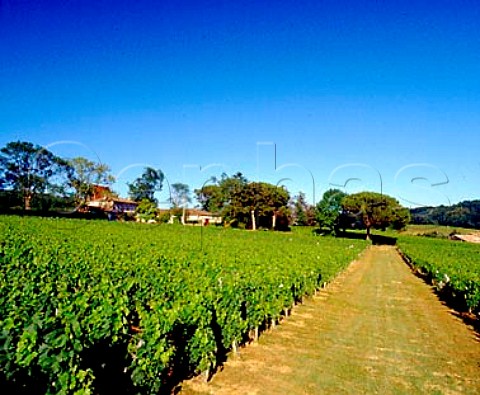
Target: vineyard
<point>453,267</point>
<point>85,303</point>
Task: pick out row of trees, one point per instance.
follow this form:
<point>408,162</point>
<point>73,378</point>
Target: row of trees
<point>253,204</point>
<point>33,175</point>
<point>30,171</point>
<point>465,214</point>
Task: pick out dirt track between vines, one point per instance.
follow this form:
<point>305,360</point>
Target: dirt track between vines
<point>377,329</point>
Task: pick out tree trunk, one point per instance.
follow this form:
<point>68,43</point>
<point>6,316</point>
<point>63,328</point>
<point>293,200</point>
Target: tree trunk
<point>234,347</point>
<point>254,225</point>
<point>368,232</point>
<point>368,221</point>
<point>207,375</point>
<point>27,201</point>
<point>274,221</point>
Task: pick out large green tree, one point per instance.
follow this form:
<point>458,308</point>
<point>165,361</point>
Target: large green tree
<point>259,204</point>
<point>84,175</point>
<point>329,210</point>
<point>30,170</point>
<point>376,210</point>
<point>217,197</point>
<point>145,186</point>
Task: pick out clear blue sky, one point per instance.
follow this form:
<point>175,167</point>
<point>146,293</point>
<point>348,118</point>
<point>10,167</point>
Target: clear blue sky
<point>343,91</point>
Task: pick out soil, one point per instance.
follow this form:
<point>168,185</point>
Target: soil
<point>377,329</point>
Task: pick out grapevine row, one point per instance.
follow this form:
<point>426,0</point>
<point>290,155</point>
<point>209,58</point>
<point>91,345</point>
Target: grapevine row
<point>164,300</point>
<point>453,267</point>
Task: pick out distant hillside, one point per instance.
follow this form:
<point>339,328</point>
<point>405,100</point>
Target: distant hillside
<point>465,214</point>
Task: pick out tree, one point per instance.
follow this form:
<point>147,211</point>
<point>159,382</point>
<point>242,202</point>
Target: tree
<point>29,170</point>
<point>179,195</point>
<point>376,210</point>
<point>303,214</point>
<point>259,204</point>
<point>210,198</point>
<point>400,218</point>
<point>329,210</point>
<point>145,186</point>
<point>146,210</point>
<point>218,197</point>
<point>84,175</point>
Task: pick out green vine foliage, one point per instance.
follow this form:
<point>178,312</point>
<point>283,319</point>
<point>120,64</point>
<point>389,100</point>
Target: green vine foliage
<point>453,267</point>
<point>82,302</point>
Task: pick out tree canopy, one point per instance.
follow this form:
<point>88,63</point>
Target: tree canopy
<point>258,204</point>
<point>179,195</point>
<point>376,210</point>
<point>218,196</point>
<point>329,210</point>
<point>465,214</point>
<point>84,175</point>
<point>29,169</point>
<point>303,214</point>
<point>145,186</point>
<point>146,210</point>
<point>246,204</point>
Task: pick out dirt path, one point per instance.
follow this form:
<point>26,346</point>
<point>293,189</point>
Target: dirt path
<point>376,329</point>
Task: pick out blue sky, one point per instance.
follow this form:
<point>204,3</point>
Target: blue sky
<point>378,95</point>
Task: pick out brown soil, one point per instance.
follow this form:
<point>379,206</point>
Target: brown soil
<point>377,329</point>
